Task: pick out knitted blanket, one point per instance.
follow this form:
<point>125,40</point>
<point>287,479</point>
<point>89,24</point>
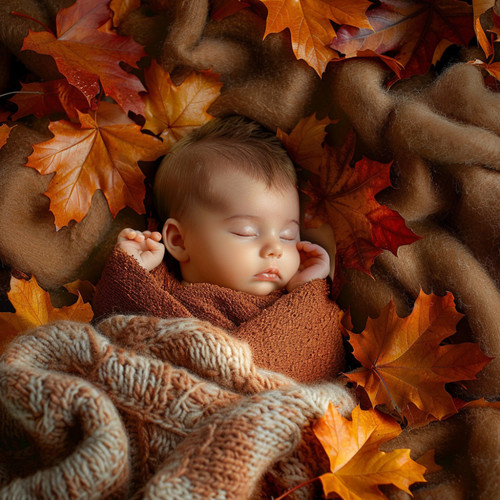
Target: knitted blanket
<point>141,407</point>
<point>295,333</point>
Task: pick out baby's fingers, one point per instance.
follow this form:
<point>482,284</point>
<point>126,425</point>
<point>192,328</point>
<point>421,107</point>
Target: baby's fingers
<point>153,235</point>
<point>153,245</point>
<point>311,249</point>
<point>129,234</point>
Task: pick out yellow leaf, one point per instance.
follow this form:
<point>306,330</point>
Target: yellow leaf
<point>304,143</point>
<point>357,466</point>
<point>173,111</point>
<point>33,308</point>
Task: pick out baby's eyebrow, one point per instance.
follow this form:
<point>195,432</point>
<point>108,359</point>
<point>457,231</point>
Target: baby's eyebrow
<point>256,218</point>
<point>242,216</point>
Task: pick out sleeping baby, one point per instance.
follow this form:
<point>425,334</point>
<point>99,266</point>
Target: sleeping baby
<point>227,193</point>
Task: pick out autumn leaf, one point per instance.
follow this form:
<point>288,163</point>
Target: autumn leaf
<point>389,230</point>
<point>481,403</point>
<point>404,363</point>
<point>480,6</point>
<point>357,466</point>
<point>220,9</point>
<point>171,111</point>
<point>409,31</point>
<point>309,24</point>
<point>33,308</point>
<point>493,68</point>
<point>483,40</point>
<point>121,9</point>
<point>4,115</point>
<point>99,153</point>
<point>304,143</point>
<point>81,287</point>
<point>87,52</point>
<point>392,63</point>
<point>495,29</point>
<point>4,134</point>
<point>45,98</point>
<point>344,197</point>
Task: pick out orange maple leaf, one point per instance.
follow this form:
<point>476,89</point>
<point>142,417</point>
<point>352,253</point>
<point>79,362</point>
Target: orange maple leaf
<point>310,27</point>
<point>87,52</point>
<point>171,111</point>
<point>408,30</point>
<point>493,68</point>
<point>344,197</point>
<point>99,153</point>
<point>357,465</point>
<point>4,134</point>
<point>34,308</point>
<point>404,363</point>
<point>44,98</point>
<point>305,142</point>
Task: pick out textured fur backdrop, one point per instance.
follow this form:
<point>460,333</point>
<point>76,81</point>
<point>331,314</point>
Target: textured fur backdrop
<point>441,131</point>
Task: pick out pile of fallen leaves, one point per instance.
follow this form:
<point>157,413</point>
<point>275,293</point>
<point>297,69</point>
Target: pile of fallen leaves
<point>116,107</point>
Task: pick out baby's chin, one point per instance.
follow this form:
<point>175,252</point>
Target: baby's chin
<point>262,288</point>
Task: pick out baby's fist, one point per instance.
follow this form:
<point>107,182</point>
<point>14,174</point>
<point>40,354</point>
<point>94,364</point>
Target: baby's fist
<point>144,246</point>
<point>314,264</point>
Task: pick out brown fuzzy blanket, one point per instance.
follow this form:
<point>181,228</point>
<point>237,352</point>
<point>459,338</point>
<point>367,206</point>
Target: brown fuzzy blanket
<point>442,133</point>
<point>139,407</point>
<point>297,334</point>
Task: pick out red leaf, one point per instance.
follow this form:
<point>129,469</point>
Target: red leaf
<point>46,98</point>
<point>409,30</point>
<point>87,52</point>
<point>389,230</point>
<point>221,9</point>
<point>344,197</point>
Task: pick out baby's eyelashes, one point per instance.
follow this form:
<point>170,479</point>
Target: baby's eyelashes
<point>289,235</point>
<point>246,231</point>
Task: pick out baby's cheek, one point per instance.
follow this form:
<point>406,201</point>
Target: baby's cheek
<point>294,260</point>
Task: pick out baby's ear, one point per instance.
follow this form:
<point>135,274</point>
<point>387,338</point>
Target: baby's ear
<point>173,240</point>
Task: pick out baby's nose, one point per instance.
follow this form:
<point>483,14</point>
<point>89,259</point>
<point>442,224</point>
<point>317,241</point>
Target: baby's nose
<point>273,249</point>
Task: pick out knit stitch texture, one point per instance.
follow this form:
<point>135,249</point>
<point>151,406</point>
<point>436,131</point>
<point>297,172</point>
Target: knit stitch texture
<point>142,407</point>
<point>295,333</point>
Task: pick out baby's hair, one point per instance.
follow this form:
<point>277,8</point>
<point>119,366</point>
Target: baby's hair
<point>184,174</point>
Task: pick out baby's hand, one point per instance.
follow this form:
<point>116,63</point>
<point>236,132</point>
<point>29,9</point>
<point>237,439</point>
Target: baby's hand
<point>314,263</point>
<point>145,247</point>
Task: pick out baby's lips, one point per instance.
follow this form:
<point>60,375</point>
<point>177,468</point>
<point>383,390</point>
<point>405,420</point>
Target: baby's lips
<point>271,274</point>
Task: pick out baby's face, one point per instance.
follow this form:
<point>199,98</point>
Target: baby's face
<point>249,244</point>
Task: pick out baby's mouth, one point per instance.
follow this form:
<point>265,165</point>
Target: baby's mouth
<point>271,274</point>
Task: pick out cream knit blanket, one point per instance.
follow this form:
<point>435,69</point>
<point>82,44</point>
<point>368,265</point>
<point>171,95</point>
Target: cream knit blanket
<point>140,407</point>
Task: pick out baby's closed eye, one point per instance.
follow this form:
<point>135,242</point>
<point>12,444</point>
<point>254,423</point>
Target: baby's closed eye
<point>245,231</point>
<point>290,234</point>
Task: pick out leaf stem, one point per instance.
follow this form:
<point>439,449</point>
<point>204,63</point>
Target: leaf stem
<point>20,92</point>
<point>396,407</point>
<point>309,481</point>
<point>20,14</point>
